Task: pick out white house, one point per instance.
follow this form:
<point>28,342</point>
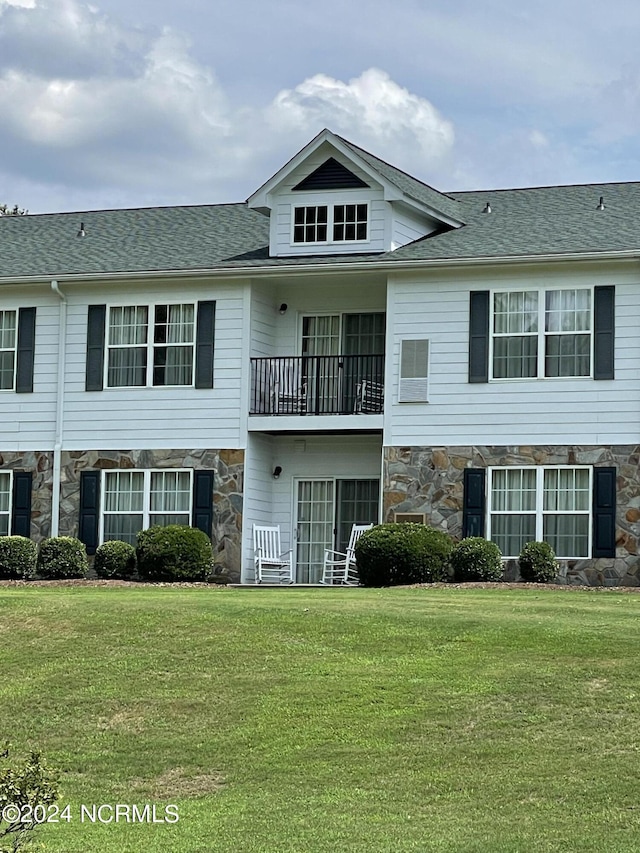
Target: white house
<point>349,345</point>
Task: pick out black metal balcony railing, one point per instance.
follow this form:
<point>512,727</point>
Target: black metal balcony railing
<point>317,385</point>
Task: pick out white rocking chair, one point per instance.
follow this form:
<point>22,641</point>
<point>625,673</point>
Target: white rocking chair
<point>339,567</point>
<point>271,564</point>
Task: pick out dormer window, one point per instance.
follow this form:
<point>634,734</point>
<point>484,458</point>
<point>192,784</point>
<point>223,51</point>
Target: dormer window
<point>350,222</point>
<point>310,224</point>
<point>340,223</point>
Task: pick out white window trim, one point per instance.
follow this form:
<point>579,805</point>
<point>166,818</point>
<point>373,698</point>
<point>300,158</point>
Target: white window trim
<point>330,221</point>
<point>14,349</point>
<point>146,499</point>
<point>150,345</point>
<point>8,513</point>
<point>541,334</point>
<point>539,512</point>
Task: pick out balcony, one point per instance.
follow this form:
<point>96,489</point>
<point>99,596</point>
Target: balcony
<point>317,385</point>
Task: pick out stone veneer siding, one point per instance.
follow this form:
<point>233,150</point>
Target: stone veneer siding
<point>228,466</point>
<point>40,464</point>
<point>430,480</point>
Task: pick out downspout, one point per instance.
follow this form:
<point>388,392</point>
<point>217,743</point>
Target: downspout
<point>57,447</point>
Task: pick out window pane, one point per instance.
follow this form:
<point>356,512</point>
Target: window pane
<point>568,310</point>
<point>4,525</point>
<point>170,491</point>
<point>566,489</point>
<point>515,357</point>
<point>127,367</point>
<point>122,527</point>
<point>5,492</point>
<point>128,325</point>
<point>513,490</point>
<point>7,363</point>
<point>7,329</point>
<point>124,491</point>
<point>515,313</point>
<point>568,535</point>
<point>568,355</point>
<point>164,519</point>
<point>512,532</point>
<point>173,365</point>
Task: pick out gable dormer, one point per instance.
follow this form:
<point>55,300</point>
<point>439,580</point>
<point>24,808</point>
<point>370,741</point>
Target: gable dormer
<point>333,198</point>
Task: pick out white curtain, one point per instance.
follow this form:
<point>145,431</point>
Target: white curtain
<point>127,358</point>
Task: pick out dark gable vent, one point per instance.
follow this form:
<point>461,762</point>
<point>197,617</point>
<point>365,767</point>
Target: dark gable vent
<point>331,176</point>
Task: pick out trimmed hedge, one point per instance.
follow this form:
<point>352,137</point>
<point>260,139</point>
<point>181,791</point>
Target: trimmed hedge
<point>62,557</point>
<point>538,563</point>
<point>115,559</point>
<point>392,554</point>
<point>174,553</point>
<point>18,558</point>
<point>476,559</point>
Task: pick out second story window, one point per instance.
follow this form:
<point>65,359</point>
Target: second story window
<point>150,345</point>
<point>542,333</point>
<point>8,339</point>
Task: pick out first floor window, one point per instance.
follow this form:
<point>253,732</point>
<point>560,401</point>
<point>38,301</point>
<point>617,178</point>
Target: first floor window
<point>8,338</point>
<point>541,504</point>
<point>136,500</point>
<point>5,503</point>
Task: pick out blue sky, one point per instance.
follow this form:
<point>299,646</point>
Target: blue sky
<point>128,103</point>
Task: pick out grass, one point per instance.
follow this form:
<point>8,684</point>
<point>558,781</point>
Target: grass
<point>434,719</point>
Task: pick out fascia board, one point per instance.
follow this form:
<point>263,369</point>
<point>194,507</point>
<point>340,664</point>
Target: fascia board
<point>322,269</point>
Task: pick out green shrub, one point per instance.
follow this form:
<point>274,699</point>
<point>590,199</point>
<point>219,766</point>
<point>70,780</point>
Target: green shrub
<point>392,554</point>
<point>29,787</point>
<point>18,557</point>
<point>174,553</point>
<point>476,559</point>
<point>115,559</point>
<point>538,563</point>
<point>62,557</point>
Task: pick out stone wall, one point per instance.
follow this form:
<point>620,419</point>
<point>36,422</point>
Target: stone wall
<point>40,464</point>
<point>228,466</point>
<point>430,480</point>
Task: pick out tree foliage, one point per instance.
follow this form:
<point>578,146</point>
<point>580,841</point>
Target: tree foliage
<point>23,787</point>
<point>5,210</point>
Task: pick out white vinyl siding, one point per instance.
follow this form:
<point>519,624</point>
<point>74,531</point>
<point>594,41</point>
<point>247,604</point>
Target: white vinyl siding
<point>5,502</point>
<point>136,500</point>
<point>541,504</point>
<point>176,416</point>
<point>573,411</point>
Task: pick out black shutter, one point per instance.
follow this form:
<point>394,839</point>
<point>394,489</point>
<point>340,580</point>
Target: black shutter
<point>89,509</point>
<point>604,323</point>
<point>21,504</point>
<point>202,515</point>
<point>95,348</point>
<point>604,512</point>
<point>473,507</point>
<point>479,336</point>
<point>25,350</point>
<point>205,333</point>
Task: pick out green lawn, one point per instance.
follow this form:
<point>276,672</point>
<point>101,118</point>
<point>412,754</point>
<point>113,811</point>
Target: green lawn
<point>290,721</point>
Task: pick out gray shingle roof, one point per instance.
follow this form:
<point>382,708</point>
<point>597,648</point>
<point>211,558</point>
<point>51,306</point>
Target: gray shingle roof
<point>524,222</point>
<point>414,188</point>
<point>538,221</point>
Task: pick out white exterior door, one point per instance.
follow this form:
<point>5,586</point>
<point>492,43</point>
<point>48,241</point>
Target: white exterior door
<point>315,522</point>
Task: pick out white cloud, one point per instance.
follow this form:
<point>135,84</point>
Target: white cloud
<point>107,112</point>
<point>372,109</point>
